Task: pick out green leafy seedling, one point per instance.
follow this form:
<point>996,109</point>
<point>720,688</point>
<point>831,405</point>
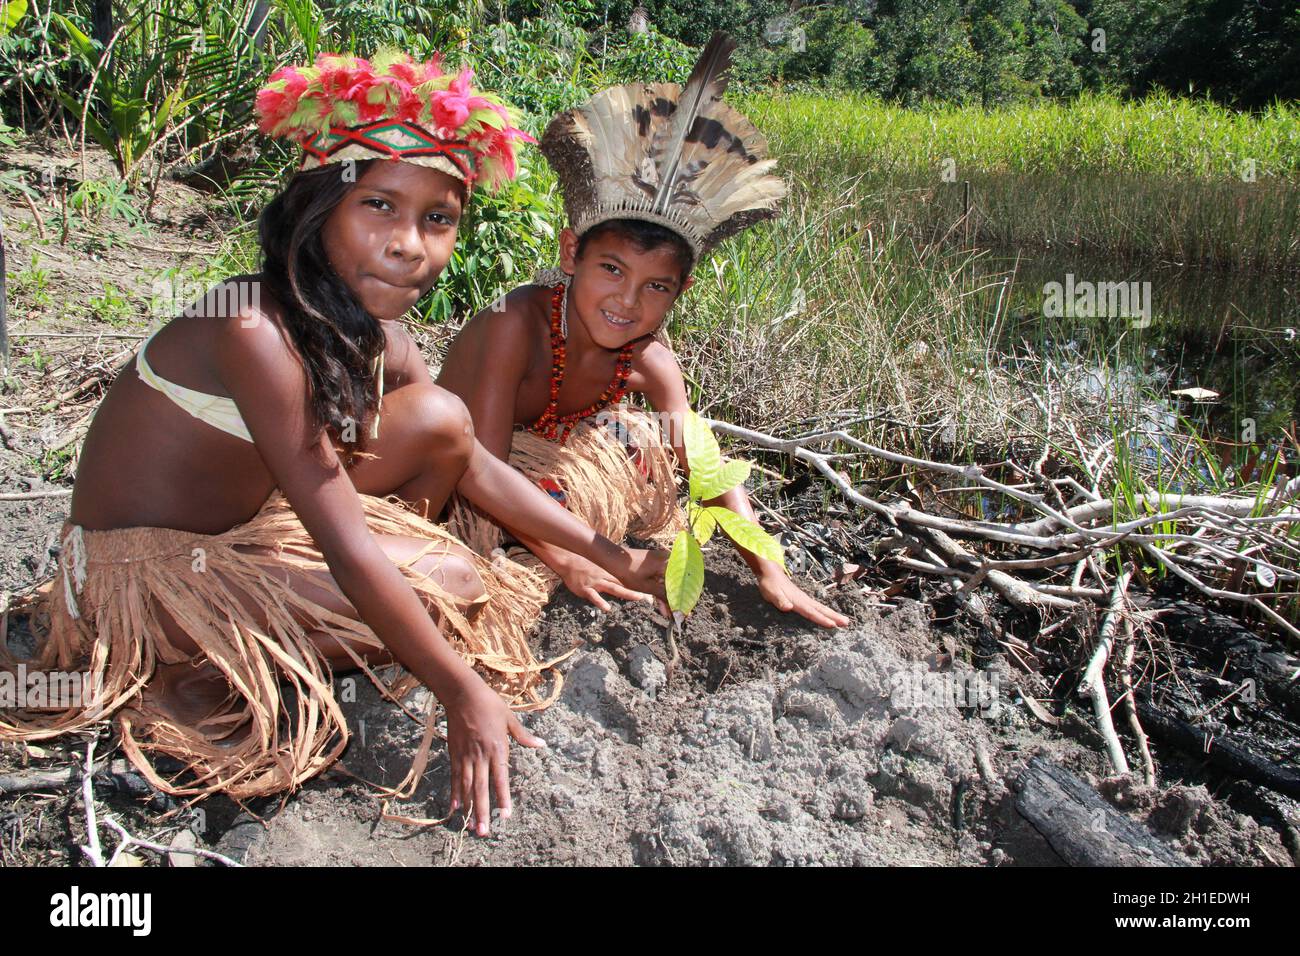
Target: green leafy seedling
<point>711,476</point>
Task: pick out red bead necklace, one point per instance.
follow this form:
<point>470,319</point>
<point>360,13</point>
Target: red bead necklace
<point>555,427</point>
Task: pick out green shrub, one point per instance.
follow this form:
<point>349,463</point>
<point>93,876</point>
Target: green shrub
<point>541,66</point>
<point>647,57</point>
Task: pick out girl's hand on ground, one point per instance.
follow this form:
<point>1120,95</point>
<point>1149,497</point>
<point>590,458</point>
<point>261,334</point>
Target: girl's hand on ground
<point>588,581</point>
<point>479,728</point>
<point>783,593</point>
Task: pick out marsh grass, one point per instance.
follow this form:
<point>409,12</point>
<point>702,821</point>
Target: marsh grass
<point>1160,179</point>
<point>1160,135</point>
<point>828,315</point>
<point>1129,218</point>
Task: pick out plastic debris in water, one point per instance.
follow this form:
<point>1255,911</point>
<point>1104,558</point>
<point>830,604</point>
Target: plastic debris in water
<point>1196,393</point>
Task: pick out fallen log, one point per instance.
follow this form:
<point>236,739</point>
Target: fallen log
<point>25,781</point>
<point>1235,652</point>
<point>1080,826</point>
<point>1219,751</point>
<point>116,777</point>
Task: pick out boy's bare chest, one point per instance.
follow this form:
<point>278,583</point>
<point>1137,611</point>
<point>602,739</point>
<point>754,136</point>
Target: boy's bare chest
<point>582,384</point>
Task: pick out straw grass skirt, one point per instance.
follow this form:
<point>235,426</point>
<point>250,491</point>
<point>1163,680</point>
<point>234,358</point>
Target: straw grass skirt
<point>281,723</point>
<point>614,472</point>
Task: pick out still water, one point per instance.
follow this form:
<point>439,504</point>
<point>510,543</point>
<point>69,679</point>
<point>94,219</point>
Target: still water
<point>1183,327</point>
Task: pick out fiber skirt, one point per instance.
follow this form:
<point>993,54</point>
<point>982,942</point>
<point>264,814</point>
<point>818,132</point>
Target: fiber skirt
<point>280,723</point>
<point>614,472</point>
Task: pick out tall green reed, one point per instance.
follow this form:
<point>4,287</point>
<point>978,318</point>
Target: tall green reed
<point>1159,134</point>
<point>1161,179</point>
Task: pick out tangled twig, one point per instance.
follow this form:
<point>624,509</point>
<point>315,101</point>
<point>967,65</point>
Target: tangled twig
<point>1236,542</point>
<point>1229,529</point>
<point>129,842</point>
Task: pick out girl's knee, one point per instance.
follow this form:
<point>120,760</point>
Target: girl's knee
<point>455,572</point>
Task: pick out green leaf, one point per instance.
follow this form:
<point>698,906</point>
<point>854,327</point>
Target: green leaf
<point>171,107</point>
<point>702,454</point>
<point>684,576</point>
<point>702,523</point>
<point>748,535</point>
<point>11,11</point>
<point>733,472</point>
<point>93,126</point>
<point>83,45</point>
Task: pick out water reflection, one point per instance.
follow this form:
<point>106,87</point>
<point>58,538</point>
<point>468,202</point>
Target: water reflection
<point>1233,334</point>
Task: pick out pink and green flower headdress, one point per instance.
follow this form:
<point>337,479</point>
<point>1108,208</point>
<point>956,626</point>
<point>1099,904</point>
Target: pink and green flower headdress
<point>344,107</point>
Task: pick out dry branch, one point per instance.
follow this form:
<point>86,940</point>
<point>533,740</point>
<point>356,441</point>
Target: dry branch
<point>1094,686</point>
<point>92,849</point>
<point>1229,527</point>
<point>1220,544</point>
<point>129,842</point>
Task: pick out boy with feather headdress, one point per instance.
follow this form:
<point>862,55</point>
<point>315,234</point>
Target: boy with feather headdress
<point>654,175</point>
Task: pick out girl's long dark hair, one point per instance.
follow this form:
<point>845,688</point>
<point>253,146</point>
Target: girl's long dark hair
<point>336,337</point>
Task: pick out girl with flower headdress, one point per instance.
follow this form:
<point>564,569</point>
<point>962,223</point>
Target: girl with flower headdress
<point>255,499</point>
<point>654,175</point>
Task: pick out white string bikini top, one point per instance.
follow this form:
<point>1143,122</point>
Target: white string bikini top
<point>218,410</point>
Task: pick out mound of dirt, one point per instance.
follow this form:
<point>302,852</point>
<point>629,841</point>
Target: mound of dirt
<point>770,743</point>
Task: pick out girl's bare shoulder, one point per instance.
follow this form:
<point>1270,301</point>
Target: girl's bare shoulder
<point>252,326</point>
<point>233,321</point>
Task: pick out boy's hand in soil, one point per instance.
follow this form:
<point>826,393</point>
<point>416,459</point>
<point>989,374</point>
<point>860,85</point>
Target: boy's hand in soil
<point>479,728</point>
<point>783,593</point>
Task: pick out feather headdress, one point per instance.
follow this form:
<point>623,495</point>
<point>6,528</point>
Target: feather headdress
<point>676,156</point>
<point>345,107</point>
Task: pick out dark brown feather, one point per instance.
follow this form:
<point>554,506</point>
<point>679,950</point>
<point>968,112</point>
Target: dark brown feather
<point>707,83</point>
